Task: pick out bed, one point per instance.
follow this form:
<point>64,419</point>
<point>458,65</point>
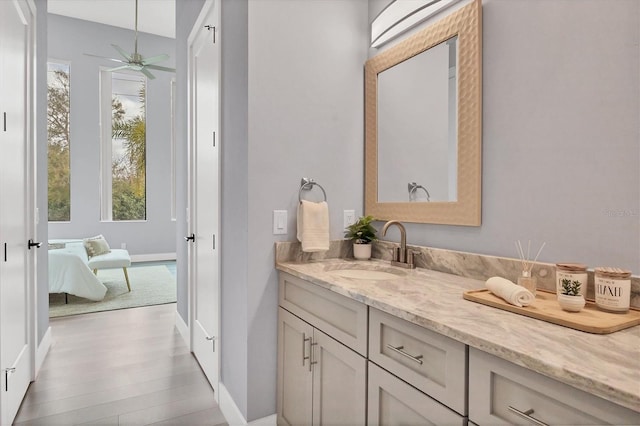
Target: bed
<point>69,271</point>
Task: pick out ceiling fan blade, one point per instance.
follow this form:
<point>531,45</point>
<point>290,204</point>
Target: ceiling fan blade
<point>104,57</point>
<point>154,59</point>
<point>144,71</point>
<point>123,67</point>
<point>159,68</point>
<point>122,52</point>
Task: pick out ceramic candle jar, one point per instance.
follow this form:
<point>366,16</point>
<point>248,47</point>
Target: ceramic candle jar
<point>613,289</point>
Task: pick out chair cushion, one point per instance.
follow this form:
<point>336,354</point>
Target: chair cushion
<point>116,258</point>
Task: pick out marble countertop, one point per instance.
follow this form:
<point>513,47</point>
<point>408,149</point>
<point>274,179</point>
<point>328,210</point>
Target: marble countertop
<point>604,365</point>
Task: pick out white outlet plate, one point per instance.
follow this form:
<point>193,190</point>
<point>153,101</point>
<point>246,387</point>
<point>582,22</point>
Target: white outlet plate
<point>123,246</point>
<point>279,222</point>
<point>349,217</point>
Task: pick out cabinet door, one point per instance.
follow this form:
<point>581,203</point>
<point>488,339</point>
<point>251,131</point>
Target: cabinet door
<point>394,402</point>
<point>339,383</point>
<point>294,370</point>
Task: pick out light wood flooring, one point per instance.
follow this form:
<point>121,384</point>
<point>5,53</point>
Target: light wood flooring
<point>127,367</point>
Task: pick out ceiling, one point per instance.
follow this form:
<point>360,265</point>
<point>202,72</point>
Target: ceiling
<point>154,16</point>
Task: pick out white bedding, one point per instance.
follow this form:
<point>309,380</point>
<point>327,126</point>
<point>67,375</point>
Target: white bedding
<point>69,273</point>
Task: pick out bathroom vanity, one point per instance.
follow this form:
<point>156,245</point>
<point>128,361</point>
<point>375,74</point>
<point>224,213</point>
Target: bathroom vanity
<point>363,342</point>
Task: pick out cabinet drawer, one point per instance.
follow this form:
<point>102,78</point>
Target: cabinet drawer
<point>433,363</point>
<point>342,318</point>
<point>495,385</point>
<point>394,402</point>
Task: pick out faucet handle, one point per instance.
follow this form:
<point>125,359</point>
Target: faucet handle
<point>395,254</point>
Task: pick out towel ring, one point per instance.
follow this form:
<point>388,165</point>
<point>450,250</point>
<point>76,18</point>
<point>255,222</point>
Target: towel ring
<point>413,187</point>
<point>307,184</point>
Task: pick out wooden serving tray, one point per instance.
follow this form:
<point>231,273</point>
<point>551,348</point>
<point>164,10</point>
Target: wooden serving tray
<point>546,308</point>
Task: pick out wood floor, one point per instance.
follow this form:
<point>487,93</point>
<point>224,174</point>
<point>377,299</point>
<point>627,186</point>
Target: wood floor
<point>127,367</point>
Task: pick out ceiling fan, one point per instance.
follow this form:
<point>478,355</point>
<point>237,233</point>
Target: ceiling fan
<point>136,61</point>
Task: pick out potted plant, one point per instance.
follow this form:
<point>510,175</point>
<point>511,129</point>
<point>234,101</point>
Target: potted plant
<point>362,233</point>
<point>570,298</point>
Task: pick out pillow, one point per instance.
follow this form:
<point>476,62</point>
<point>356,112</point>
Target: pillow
<point>56,246</point>
<point>96,246</point>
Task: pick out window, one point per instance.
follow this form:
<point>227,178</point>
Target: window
<point>58,159</point>
<point>123,147</point>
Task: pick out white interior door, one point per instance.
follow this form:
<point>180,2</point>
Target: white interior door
<point>204,60</point>
<point>15,365</point>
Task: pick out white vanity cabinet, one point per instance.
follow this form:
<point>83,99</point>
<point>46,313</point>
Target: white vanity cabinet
<point>320,380</point>
<point>502,393</point>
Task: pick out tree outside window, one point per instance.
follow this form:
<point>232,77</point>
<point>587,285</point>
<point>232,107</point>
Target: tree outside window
<point>58,121</point>
<point>128,151</point>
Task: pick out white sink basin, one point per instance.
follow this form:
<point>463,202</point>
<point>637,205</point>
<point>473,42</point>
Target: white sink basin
<point>361,273</point>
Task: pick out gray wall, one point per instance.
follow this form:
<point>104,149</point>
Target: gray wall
<point>68,39</point>
<point>292,98</point>
<point>561,125</point>
<point>235,259</point>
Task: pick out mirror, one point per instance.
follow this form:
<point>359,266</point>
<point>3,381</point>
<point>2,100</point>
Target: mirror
<point>423,124</point>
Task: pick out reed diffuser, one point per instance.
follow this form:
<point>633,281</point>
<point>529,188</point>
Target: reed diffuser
<point>527,280</point>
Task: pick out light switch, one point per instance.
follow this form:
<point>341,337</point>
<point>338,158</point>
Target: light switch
<point>279,222</point>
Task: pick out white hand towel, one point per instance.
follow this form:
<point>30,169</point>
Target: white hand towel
<point>510,292</point>
<point>313,226</point>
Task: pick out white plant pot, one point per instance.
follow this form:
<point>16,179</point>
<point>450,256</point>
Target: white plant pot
<point>571,303</point>
<point>362,251</point>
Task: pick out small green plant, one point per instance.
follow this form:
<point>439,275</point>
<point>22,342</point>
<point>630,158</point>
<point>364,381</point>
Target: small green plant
<point>570,288</point>
<point>361,232</point>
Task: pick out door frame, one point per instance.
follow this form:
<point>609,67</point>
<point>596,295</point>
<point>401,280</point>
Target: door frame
<point>208,6</point>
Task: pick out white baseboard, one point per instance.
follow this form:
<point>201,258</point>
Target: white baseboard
<point>229,409</point>
<point>43,350</point>
<point>183,329</point>
<point>154,257</point>
<point>232,413</point>
<point>271,420</point>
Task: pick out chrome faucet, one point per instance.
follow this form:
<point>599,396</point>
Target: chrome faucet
<point>401,257</point>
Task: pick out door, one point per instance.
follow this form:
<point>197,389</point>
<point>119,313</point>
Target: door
<point>15,64</point>
<point>294,370</point>
<point>339,383</point>
<point>204,192</point>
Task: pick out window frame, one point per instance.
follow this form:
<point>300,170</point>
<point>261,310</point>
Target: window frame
<point>106,147</point>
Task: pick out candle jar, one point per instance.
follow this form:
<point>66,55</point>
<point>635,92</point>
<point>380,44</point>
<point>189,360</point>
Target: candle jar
<point>527,281</point>
<point>572,272</point>
<point>613,289</point>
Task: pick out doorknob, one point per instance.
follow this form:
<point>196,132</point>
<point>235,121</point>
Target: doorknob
<point>34,244</point>
<point>191,237</point>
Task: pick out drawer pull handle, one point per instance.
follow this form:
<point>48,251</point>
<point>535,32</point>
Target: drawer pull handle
<point>304,340</point>
<point>399,349</point>
<point>527,415</point>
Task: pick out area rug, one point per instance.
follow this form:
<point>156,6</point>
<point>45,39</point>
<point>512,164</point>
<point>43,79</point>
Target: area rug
<point>150,285</point>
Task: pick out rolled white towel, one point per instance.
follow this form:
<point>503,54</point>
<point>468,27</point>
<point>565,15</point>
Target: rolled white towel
<point>510,292</point>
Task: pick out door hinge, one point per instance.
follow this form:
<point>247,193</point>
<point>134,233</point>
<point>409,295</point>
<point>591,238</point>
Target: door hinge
<point>7,371</point>
<point>5,252</point>
<point>4,119</point>
<point>214,241</point>
<point>213,342</point>
<point>214,139</point>
<point>212,28</point>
